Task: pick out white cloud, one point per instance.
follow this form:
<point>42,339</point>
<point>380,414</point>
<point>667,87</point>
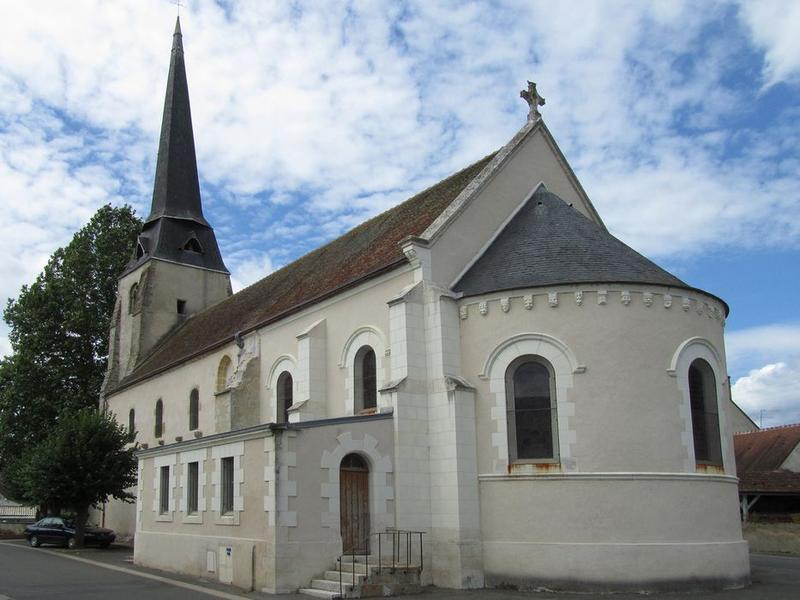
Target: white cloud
<point>248,269</point>
<point>774,25</point>
<point>771,392</point>
<point>311,117</point>
<point>766,344</point>
<point>774,385</point>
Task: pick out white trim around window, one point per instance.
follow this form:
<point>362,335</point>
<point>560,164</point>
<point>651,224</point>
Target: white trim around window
<point>235,450</point>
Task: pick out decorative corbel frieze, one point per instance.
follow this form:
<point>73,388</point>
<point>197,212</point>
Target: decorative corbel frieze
<point>505,304</point>
<point>483,308</point>
<point>667,300</point>
<point>552,299</point>
<point>463,312</point>
<point>686,304</point>
<point>579,298</point>
<point>602,297</point>
<point>626,297</point>
<point>647,299</point>
<point>527,301</point>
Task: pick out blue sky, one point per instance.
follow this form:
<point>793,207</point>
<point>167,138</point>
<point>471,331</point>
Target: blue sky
<point>679,118</point>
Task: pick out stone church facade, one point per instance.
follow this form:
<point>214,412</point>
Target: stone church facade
<point>483,363</point>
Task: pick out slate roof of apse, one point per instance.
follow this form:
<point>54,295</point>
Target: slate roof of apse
<point>766,449</point>
<point>366,251</point>
<point>548,243</point>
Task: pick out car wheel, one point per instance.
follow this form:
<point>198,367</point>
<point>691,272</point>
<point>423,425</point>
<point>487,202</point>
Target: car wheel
<point>71,543</point>
<point>34,541</point>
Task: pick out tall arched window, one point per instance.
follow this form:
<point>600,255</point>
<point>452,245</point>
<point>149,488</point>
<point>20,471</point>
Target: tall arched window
<point>131,421</point>
<point>133,295</point>
<point>194,409</point>
<point>705,414</point>
<point>222,373</point>
<point>366,380</point>
<point>531,410</point>
<point>159,426</point>
<point>285,395</point>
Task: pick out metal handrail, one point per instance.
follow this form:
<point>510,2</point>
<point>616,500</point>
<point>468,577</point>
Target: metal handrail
<point>396,535</point>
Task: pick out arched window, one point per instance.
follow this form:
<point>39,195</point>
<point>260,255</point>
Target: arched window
<point>531,410</point>
<point>705,414</point>
<point>159,426</point>
<point>285,395</point>
<point>131,421</point>
<point>366,381</point>
<point>133,295</point>
<point>222,373</point>
<point>194,409</point>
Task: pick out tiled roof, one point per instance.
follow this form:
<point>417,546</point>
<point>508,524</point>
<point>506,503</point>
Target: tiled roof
<point>548,243</point>
<point>366,251</point>
<point>770,482</point>
<point>766,449</point>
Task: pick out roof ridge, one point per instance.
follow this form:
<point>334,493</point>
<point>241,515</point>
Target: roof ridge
<point>773,428</point>
<point>361,225</point>
<point>361,253</point>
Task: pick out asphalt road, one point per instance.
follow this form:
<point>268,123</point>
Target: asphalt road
<point>27,573</point>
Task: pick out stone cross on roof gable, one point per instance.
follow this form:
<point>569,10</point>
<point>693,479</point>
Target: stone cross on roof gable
<point>534,100</point>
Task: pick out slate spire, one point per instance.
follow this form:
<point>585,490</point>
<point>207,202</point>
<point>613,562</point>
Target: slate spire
<point>176,192</point>
<point>176,229</point>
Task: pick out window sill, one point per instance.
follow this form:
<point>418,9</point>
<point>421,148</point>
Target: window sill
<point>538,467</point>
<point>164,517</point>
<point>193,519</point>
<point>230,519</point>
<point>709,468</point>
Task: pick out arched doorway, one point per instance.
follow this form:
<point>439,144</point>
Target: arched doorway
<point>354,503</point>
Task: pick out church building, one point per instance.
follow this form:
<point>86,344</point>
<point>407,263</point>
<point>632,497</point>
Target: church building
<point>479,387</point>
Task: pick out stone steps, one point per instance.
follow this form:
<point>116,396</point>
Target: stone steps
<point>318,593</point>
<point>368,580</point>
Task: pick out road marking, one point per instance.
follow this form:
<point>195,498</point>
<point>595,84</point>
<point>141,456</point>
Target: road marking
<point>175,582</point>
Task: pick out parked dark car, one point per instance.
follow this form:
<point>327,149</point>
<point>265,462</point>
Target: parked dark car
<point>55,530</point>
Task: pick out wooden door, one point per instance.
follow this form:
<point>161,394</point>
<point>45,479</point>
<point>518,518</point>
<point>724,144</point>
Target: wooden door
<point>354,504</point>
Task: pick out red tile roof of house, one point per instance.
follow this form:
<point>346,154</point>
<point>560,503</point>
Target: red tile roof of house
<point>766,449</point>
<point>759,456</point>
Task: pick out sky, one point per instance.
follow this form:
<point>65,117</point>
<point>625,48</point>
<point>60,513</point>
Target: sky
<point>680,119</point>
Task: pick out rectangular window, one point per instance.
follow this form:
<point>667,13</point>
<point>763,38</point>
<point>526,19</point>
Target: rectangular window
<point>181,307</point>
<point>191,487</point>
<point>226,482</point>
<point>163,500</point>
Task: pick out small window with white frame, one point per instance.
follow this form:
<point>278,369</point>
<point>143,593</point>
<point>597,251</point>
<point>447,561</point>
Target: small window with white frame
<point>192,487</point>
<point>163,490</point>
<point>226,485</point>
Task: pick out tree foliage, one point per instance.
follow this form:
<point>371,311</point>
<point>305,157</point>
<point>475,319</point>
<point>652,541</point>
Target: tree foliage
<point>85,460</point>
<point>59,335</point>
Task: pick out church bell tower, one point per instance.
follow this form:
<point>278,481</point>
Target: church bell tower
<point>176,269</point>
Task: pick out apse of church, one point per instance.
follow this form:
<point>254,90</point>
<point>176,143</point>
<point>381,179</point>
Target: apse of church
<point>473,368</point>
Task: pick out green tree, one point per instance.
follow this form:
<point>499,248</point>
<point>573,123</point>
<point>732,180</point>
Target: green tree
<point>84,461</point>
<point>59,335</point>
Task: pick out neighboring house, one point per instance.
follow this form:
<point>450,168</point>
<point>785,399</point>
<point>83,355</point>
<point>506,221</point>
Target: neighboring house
<point>768,465</point>
<point>484,363</point>
<point>13,512</point>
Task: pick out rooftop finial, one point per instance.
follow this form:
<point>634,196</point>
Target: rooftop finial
<point>178,4</point>
<point>534,100</point>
